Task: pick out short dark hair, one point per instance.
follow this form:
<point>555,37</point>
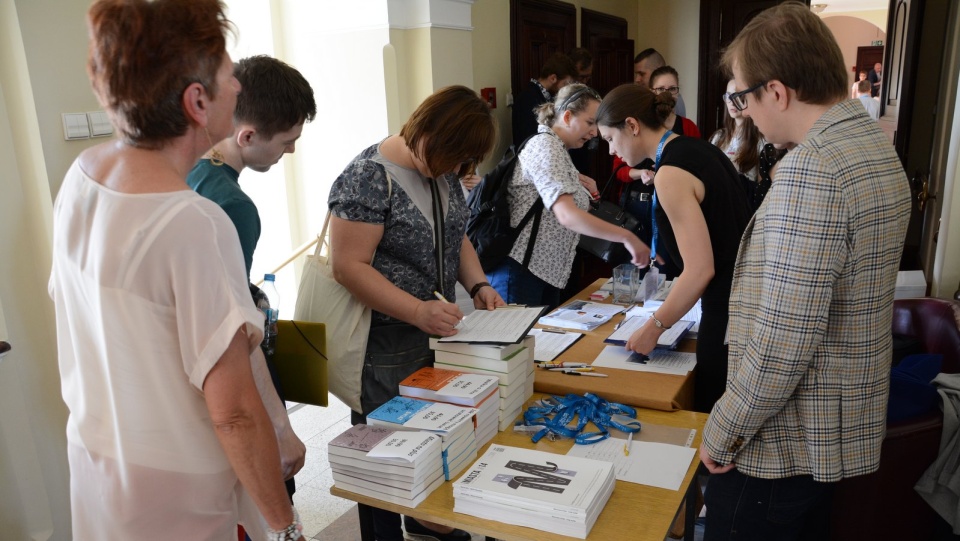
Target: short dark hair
<point>455,127</point>
<point>582,59</point>
<point>788,43</point>
<point>143,55</point>
<point>560,65</point>
<point>864,86</point>
<point>646,53</point>
<point>663,70</point>
<point>274,96</point>
<point>634,101</point>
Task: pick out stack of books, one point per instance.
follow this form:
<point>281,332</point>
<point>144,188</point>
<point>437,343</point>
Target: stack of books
<point>513,364</point>
<point>400,467</point>
<point>454,424</point>
<point>460,388</point>
<point>555,493</point>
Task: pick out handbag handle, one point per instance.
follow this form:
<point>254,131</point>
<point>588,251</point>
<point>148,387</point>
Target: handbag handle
<point>324,240</point>
<point>610,180</point>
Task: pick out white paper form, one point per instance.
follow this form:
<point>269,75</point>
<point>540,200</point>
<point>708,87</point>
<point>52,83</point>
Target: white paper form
<point>654,464</point>
<point>501,326</point>
<point>650,307</point>
<point>550,344</point>
<point>629,325</point>
<point>662,361</point>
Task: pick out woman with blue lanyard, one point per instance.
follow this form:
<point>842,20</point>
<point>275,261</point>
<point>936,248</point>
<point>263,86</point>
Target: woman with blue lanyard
<point>699,211</point>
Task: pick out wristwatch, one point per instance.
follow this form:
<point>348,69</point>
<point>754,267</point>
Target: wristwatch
<point>658,323</point>
<point>293,532</point>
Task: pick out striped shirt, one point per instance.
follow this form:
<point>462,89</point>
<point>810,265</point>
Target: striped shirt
<point>811,308</point>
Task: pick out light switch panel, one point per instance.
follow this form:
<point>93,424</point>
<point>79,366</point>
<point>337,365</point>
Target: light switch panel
<point>75,126</point>
<point>99,124</point>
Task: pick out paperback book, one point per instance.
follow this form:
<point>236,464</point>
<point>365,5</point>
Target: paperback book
<point>581,315</point>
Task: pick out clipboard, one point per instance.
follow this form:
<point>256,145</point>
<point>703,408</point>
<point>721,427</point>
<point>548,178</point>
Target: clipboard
<point>300,360</point>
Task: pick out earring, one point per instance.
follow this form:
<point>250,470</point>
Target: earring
<point>216,157</point>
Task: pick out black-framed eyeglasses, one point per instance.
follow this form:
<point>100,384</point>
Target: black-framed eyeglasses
<point>739,99</point>
<point>671,89</point>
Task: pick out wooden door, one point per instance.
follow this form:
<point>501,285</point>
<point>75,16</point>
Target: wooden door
<point>538,28</point>
<point>720,22</point>
<point>912,76</point>
<point>867,57</point>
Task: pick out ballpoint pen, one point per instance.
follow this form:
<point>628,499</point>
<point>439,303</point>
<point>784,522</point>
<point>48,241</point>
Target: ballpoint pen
<point>571,368</point>
<point>443,299</point>
<point>575,373</point>
<point>565,365</point>
<point>626,446</point>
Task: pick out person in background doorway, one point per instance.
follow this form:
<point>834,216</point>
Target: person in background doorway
<point>871,104</point>
<point>739,139</point>
<point>644,64</point>
<point>583,61</point>
<point>174,430</point>
<point>876,79</point>
<point>666,79</point>
<point>700,211</point>
<point>557,72</point>
<point>812,296</point>
<point>396,238</point>
<point>853,87</point>
<point>271,110</point>
<point>545,171</point>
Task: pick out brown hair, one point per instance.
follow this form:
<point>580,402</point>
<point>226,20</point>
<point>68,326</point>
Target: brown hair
<point>274,96</point>
<point>143,55</point>
<point>748,153</point>
<point>663,70</point>
<point>574,97</point>
<point>647,53</point>
<point>790,44</point>
<point>452,126</point>
<point>635,101</point>
<point>560,65</point>
<point>864,86</point>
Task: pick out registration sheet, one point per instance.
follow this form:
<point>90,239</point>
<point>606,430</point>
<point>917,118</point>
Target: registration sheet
<point>659,360</point>
<point>551,343</point>
<point>655,464</point>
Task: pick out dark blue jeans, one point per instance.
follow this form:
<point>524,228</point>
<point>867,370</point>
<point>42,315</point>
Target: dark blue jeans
<point>740,507</point>
<point>517,285</point>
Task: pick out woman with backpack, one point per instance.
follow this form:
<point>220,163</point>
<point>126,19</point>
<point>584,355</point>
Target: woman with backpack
<point>546,173</point>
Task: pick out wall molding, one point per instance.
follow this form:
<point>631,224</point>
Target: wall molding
<point>410,14</point>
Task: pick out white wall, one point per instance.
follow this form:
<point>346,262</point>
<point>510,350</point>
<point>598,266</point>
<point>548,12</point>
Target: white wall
<point>673,28</point>
<point>851,33</point>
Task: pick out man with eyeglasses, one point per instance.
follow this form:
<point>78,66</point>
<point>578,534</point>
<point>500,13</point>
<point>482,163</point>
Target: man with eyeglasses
<point>812,296</point>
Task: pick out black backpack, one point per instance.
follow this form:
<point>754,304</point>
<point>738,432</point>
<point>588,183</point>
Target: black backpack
<point>488,226</point>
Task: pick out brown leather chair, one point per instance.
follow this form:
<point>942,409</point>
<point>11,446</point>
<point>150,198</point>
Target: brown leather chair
<point>883,505</point>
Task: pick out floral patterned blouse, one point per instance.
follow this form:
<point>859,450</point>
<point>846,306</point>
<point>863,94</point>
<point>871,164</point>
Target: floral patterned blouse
<point>546,171</point>
<point>405,255</point>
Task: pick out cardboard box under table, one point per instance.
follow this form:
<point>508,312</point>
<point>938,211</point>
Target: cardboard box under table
<point>651,390</point>
<point>634,512</point>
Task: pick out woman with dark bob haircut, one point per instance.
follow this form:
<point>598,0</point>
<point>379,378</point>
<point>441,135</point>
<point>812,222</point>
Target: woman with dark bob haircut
<point>158,338</point>
<point>396,238</point>
<point>700,211</point>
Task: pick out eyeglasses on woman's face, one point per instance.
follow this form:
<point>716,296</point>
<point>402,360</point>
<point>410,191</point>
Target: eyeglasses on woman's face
<point>671,89</point>
<point>739,99</point>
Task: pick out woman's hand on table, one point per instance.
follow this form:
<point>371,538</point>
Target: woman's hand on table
<point>644,339</point>
<point>437,317</point>
<point>487,298</point>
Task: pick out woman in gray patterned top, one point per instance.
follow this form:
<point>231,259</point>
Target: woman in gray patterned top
<point>546,172</point>
<point>397,237</point>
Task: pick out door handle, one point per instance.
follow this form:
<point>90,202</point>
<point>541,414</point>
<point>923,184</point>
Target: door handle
<point>921,183</point>
<point>4,348</point>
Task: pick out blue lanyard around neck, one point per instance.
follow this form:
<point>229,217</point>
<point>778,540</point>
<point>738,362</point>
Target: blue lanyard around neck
<point>653,208</point>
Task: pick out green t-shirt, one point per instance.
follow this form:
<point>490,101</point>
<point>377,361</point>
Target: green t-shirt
<point>221,184</point>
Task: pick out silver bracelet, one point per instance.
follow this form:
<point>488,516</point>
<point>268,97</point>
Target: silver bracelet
<point>658,323</point>
<point>293,532</point>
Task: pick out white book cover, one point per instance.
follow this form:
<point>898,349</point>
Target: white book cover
<point>508,364</point>
<point>451,386</point>
<point>409,475</point>
<point>398,500</point>
<point>401,412</point>
<point>486,351</point>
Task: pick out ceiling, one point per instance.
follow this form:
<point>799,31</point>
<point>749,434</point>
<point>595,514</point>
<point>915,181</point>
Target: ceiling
<point>839,6</point>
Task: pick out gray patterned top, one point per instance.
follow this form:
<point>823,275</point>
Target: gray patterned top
<point>405,255</point>
<point>546,171</point>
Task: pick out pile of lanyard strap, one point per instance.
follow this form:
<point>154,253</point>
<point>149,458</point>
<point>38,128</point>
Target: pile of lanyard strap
<point>557,414</point>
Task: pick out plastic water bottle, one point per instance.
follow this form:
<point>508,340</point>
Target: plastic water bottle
<point>271,311</point>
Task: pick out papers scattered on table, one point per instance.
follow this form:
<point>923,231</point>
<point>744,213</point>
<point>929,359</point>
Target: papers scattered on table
<point>550,344</point>
<point>660,360</point>
<point>654,464</point>
<point>669,339</point>
<point>581,315</point>
<point>506,325</point>
<point>651,306</point>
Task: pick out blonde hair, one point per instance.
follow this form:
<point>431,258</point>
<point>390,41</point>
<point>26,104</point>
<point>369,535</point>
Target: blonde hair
<point>573,97</point>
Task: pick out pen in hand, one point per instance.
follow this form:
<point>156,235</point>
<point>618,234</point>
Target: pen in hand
<point>444,300</point>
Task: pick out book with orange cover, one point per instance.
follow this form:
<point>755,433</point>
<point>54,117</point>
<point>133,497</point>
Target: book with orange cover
<point>449,386</point>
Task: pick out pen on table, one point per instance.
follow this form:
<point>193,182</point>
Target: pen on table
<point>443,299</point>
<point>570,368</point>
<point>626,446</point>
<point>575,373</point>
<point>565,365</point>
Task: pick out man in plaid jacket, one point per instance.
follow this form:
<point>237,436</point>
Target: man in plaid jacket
<point>812,296</point>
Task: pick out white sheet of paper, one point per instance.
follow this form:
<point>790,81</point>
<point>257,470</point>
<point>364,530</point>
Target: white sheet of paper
<point>654,464</point>
<point>550,344</point>
<point>650,307</point>
<point>631,324</point>
<point>402,444</point>
<point>662,361</point>
<point>503,325</point>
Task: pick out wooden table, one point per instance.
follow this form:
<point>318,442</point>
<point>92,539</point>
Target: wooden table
<point>651,390</point>
<point>634,512</point>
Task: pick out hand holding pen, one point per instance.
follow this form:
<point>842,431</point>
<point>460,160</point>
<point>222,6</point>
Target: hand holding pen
<point>439,318</point>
